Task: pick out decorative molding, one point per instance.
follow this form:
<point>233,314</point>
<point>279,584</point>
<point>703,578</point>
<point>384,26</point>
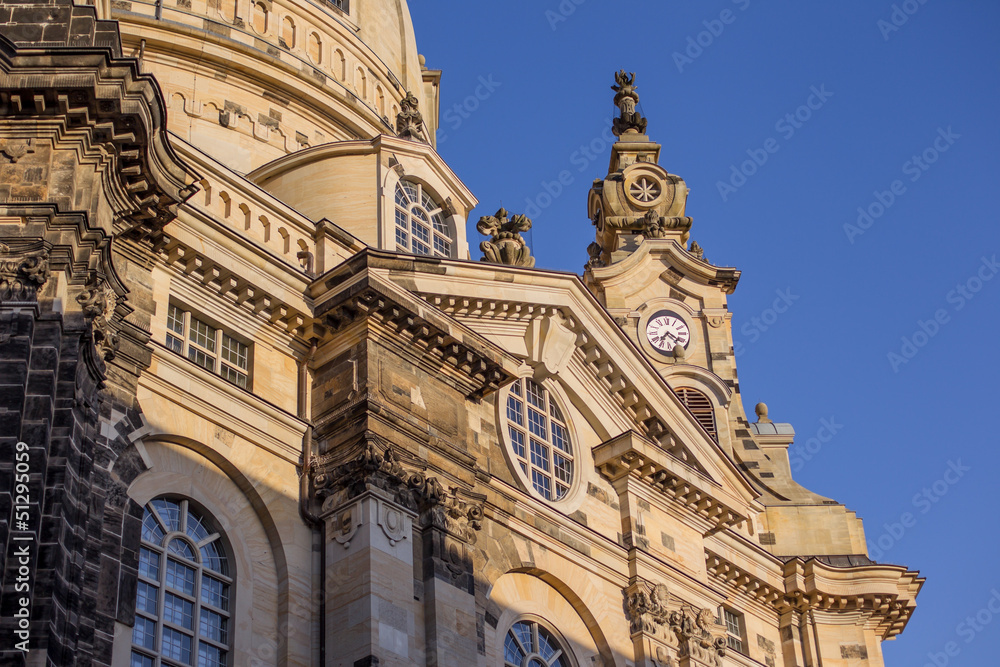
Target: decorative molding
<point>626,99</point>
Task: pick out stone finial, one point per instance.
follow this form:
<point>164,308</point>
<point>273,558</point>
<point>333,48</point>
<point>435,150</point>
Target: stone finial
<point>594,250</point>
<point>629,120</point>
<point>679,352</point>
<point>761,411</point>
<point>505,245</point>
<point>409,121</point>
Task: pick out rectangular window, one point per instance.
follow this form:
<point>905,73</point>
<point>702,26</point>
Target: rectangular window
<point>213,348</point>
<point>734,629</point>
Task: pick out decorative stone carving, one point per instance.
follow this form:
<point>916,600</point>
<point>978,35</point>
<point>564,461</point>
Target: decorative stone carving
<point>655,226</point>
<point>22,272</point>
<point>98,301</point>
<point>647,607</point>
<point>595,250</point>
<point>409,121</point>
<point>626,99</point>
<point>15,150</point>
<point>390,520</point>
<point>506,246</point>
<point>698,643</point>
<point>414,490</point>
<point>697,251</point>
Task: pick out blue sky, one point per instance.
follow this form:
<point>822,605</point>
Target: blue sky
<point>923,87</point>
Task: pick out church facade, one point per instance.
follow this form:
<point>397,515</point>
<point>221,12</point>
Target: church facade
<point>259,407</point>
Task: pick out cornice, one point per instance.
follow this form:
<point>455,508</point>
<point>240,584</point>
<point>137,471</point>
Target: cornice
<point>651,250</point>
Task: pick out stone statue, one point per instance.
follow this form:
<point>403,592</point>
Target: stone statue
<point>697,251</point>
<point>626,99</point>
<point>505,245</point>
<point>409,121</point>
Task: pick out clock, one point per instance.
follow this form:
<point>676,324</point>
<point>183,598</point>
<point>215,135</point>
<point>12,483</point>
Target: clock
<point>666,329</point>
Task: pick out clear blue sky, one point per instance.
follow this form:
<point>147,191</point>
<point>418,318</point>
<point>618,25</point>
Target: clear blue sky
<point>889,95</point>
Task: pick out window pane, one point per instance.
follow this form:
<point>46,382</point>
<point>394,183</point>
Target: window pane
<point>200,358</point>
<point>539,455</point>
<point>234,376</point>
<point>421,232</point>
<point>176,645</point>
<point>202,334</point>
<point>180,577</point>
<point>536,423</point>
<point>440,225</point>
<point>563,468</point>
<point>560,438</point>
<point>515,411</point>
<point>234,352</point>
<point>178,611</point>
<point>402,220</point>
<point>170,513</point>
<point>175,344</point>
<point>213,559</point>
<point>441,246</point>
<point>401,196</point>
<point>210,656</point>
<point>517,439</point>
<point>402,240</point>
<point>420,248</point>
<point>139,660</point>
<point>536,395</point>
<point>146,598</point>
<point>151,531</point>
<point>215,593</point>
<point>214,626</point>
<point>144,632</point>
<point>523,632</point>
<point>542,484</point>
<point>512,653</point>
<point>149,564</point>
<point>181,548</point>
<point>175,320</point>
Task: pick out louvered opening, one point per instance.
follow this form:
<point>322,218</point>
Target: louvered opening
<point>700,407</point>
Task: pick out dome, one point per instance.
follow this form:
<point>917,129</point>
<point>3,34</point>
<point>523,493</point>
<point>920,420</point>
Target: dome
<point>250,81</point>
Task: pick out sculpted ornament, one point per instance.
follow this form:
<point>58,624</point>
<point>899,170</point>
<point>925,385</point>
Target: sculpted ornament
<point>506,246</point>
<point>425,495</point>
<point>409,121</point>
<point>98,302</point>
<point>626,99</point>
<point>22,272</point>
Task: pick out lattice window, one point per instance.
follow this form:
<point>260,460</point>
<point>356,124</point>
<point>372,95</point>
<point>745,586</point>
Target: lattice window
<point>734,629</point>
<point>183,601</point>
<point>212,348</point>
<point>539,439</point>
<point>421,223</point>
<point>528,644</point>
<point>701,407</point>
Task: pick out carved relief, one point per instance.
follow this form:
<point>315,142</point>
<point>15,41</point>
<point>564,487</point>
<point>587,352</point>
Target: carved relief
<point>22,272</point>
<point>692,630</point>
<point>414,490</point>
<point>506,246</point>
<point>98,302</point>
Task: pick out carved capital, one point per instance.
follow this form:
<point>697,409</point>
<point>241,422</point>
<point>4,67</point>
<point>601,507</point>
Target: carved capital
<point>647,608</point>
<point>22,271</point>
<point>701,644</point>
<point>437,506</point>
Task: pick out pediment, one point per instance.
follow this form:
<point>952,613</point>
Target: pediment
<point>558,328</point>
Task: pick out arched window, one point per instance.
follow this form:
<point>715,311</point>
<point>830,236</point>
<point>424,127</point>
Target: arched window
<point>183,602</point>
<point>538,435</point>
<point>701,407</point>
<point>528,644</point>
<point>421,225</point>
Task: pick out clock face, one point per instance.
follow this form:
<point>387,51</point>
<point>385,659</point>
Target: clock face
<point>665,330</point>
